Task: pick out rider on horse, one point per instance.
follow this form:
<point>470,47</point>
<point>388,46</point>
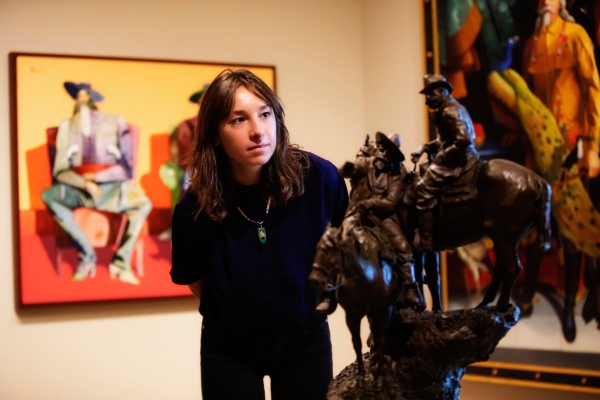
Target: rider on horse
<point>376,178</point>
<point>453,148</point>
<point>384,180</point>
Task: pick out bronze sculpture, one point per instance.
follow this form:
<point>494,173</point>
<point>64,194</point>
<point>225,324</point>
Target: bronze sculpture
<point>357,266</point>
<point>474,198</point>
<point>380,197</point>
<point>498,199</point>
<point>452,152</point>
<point>369,250</point>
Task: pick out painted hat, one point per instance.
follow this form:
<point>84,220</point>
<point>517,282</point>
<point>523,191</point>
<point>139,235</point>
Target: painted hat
<point>196,96</point>
<point>391,146</point>
<point>74,88</point>
<point>434,81</point>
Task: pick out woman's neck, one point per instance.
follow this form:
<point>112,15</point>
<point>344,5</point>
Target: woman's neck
<point>246,176</point>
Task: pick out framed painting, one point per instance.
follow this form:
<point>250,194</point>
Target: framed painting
<point>504,58</point>
<point>98,147</point>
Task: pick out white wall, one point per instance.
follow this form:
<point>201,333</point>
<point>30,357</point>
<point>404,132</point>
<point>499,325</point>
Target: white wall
<point>344,68</point>
<point>394,66</point>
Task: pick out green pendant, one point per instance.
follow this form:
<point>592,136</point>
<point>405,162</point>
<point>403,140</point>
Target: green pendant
<point>262,235</point>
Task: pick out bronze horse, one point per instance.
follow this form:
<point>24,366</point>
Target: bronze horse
<point>508,200</point>
<point>498,199</point>
<point>356,261</point>
<point>357,264</point>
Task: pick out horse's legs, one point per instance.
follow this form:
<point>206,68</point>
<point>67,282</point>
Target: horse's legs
<point>532,269</point>
<point>511,271</point>
<point>378,324</point>
<point>572,275</point>
<point>419,267</point>
<point>492,290</point>
<point>353,323</point>
<point>432,262</point>
<point>503,253</point>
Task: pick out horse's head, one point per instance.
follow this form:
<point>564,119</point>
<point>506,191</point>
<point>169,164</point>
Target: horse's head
<point>363,161</point>
<point>327,260</point>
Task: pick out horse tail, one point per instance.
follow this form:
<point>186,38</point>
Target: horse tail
<point>543,217</point>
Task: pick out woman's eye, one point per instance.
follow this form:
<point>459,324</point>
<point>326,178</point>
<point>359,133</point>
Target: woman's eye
<point>266,114</point>
<point>237,120</point>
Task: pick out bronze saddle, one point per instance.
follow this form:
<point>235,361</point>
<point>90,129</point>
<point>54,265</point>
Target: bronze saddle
<point>462,190</point>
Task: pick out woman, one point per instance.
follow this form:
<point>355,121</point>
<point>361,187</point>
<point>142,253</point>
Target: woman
<point>244,239</point>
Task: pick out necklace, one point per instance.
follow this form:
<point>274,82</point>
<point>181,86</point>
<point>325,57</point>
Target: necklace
<point>262,233</point>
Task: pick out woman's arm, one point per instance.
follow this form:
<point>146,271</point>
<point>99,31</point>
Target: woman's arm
<point>196,288</point>
<point>189,244</point>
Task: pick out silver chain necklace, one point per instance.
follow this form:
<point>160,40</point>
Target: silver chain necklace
<point>262,233</point>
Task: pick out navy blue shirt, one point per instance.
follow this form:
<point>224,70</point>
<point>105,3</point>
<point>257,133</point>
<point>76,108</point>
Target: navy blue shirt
<point>250,285</point>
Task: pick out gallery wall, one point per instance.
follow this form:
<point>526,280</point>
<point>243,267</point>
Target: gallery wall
<point>344,68</point>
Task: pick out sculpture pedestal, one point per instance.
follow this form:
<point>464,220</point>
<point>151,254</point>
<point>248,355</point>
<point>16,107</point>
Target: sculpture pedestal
<point>427,354</point>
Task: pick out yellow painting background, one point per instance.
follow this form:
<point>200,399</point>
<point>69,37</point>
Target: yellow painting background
<point>152,95</point>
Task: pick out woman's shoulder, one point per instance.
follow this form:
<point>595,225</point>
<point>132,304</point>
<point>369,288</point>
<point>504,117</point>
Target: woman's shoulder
<point>186,207</point>
<point>321,166</point>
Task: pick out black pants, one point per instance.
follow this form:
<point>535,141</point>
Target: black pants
<point>298,360</point>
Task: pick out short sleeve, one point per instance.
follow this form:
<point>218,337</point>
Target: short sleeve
<point>340,199</point>
<point>189,244</point>
<point>335,190</point>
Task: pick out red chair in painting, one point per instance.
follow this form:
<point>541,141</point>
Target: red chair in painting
<point>104,229</point>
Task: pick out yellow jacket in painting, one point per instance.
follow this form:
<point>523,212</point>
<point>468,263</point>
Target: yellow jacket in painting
<point>560,68</point>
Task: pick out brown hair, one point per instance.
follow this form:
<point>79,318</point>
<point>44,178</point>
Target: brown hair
<point>211,180</point>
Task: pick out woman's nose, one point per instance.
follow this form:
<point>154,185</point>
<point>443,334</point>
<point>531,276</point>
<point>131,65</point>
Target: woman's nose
<point>256,129</point>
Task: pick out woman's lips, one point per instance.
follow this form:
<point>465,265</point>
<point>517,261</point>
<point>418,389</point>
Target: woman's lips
<point>258,146</point>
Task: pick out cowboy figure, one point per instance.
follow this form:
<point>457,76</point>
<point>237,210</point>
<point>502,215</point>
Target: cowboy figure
<point>385,193</point>
<point>452,148</point>
<point>93,168</point>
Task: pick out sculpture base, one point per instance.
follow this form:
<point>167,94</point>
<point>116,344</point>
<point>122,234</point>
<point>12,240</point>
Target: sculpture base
<point>426,355</point>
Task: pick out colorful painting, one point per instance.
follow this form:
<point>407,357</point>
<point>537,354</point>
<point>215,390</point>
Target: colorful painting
<point>99,150</point>
<point>527,71</point>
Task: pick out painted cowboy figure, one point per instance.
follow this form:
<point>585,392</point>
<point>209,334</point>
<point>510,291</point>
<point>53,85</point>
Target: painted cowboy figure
<point>453,147</point>
<point>93,168</point>
<point>174,173</point>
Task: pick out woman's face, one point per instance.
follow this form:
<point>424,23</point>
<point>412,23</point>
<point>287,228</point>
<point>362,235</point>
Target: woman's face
<point>248,136</point>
